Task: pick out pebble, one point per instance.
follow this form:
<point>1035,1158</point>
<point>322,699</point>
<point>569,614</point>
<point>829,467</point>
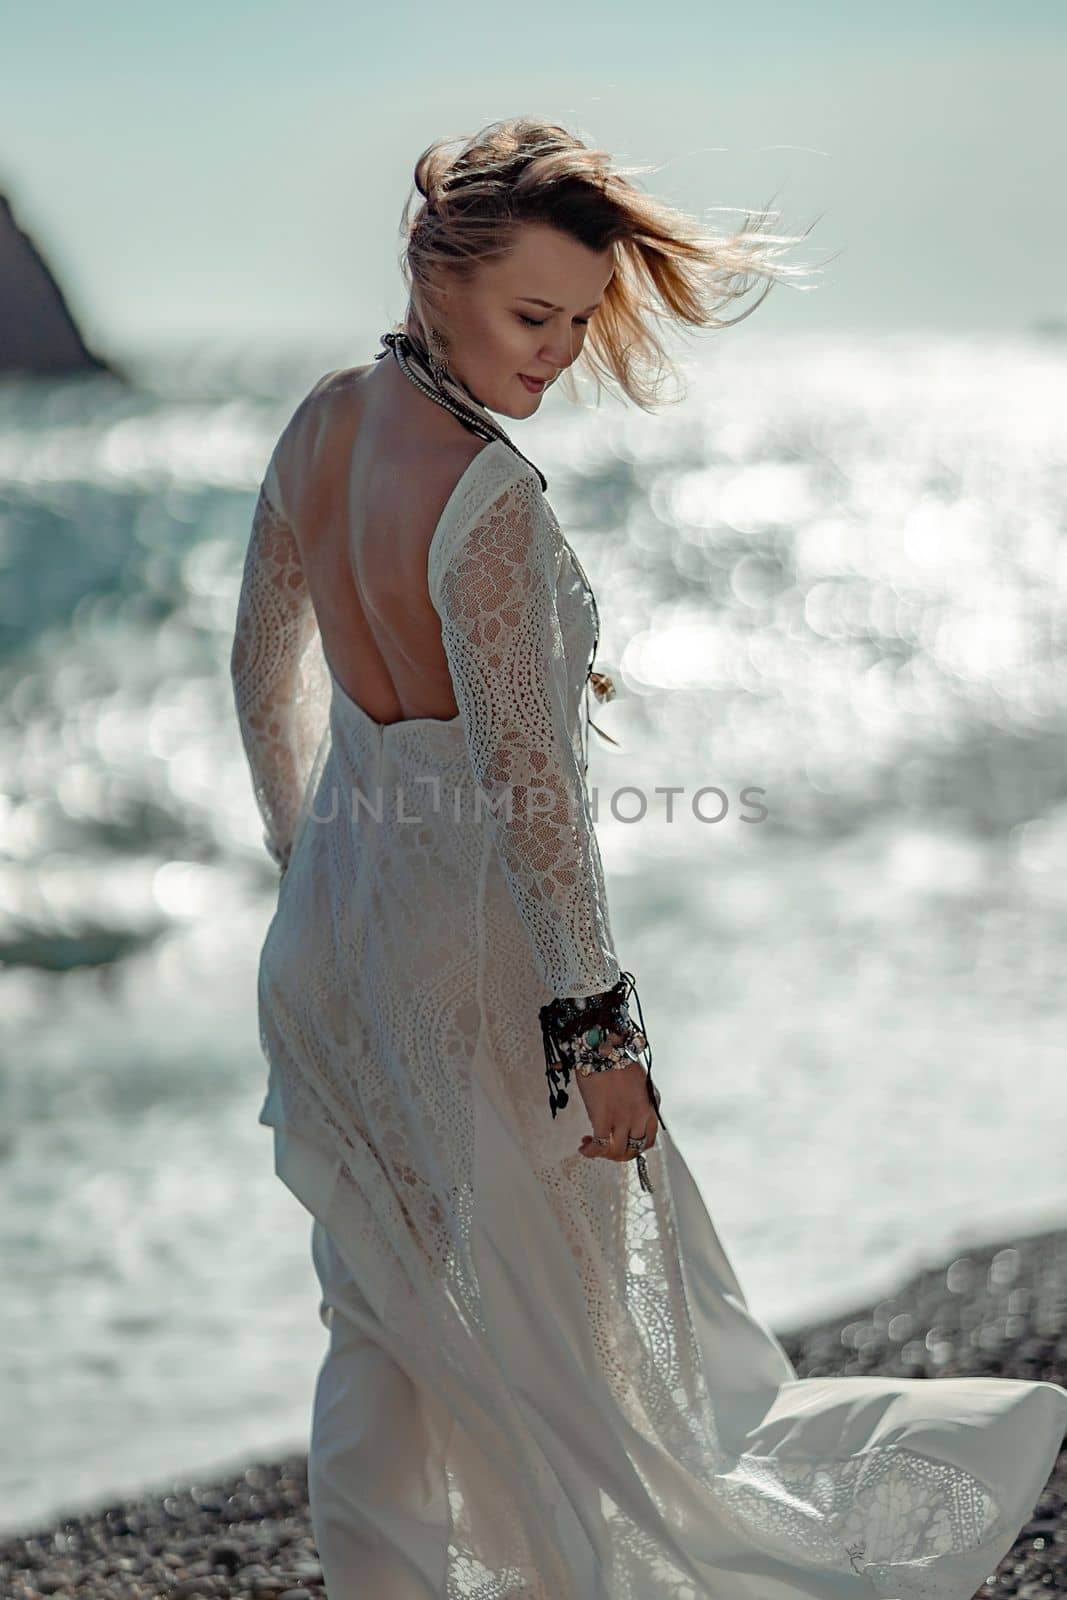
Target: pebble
<point>999,1311</point>
<point>49,1582</point>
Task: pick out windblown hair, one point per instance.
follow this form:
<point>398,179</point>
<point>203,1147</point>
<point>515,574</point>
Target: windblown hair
<point>668,266</point>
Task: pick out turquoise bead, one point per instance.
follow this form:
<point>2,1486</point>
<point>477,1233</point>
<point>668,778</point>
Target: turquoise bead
<point>593,1036</point>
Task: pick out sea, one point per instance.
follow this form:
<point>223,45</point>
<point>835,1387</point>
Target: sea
<point>831,570</point>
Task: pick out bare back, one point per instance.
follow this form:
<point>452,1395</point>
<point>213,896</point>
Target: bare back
<point>370,468</point>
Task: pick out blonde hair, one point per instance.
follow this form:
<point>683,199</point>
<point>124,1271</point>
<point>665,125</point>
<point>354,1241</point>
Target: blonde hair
<point>667,265</point>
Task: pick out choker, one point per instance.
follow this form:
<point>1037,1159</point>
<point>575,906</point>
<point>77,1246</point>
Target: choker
<point>413,360</point>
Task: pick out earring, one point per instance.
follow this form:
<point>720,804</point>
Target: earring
<point>438,355</point>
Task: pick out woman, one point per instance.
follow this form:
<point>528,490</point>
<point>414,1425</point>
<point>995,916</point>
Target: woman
<point>542,1379</point>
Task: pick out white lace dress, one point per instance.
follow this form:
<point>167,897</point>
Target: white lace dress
<point>626,1428</point>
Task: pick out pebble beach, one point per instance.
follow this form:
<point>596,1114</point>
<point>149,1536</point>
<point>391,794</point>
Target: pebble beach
<point>998,1311</point>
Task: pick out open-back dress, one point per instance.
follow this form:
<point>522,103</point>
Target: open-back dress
<point>623,1427</point>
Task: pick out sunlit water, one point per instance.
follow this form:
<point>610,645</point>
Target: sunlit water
<point>835,575</point>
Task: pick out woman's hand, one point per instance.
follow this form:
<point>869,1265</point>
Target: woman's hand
<point>619,1106</point>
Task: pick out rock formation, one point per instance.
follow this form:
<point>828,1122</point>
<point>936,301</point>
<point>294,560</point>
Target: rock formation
<point>38,335</point>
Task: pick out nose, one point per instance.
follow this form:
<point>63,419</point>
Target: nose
<point>558,351</point>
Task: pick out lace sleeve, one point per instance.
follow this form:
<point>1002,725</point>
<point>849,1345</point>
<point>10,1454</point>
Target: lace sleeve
<point>273,671</point>
<point>502,638</point>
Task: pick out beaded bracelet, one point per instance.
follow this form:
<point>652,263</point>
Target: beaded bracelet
<point>575,1033</point>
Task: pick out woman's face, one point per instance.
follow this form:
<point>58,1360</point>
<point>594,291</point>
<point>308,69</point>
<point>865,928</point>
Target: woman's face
<point>497,331</point>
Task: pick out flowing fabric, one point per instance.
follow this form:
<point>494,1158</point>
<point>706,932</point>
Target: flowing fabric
<point>622,1426</point>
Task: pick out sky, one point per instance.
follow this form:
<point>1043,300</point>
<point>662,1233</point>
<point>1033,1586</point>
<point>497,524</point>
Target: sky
<point>239,171</point>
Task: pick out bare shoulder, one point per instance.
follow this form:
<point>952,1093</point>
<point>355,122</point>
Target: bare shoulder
<point>335,390</point>
<point>330,407</point>
<point>451,460</point>
<point>434,473</point>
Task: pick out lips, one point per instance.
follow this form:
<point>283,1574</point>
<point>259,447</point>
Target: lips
<point>536,384</point>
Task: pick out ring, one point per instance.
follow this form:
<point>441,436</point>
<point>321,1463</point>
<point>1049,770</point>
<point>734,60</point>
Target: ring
<point>636,1144</point>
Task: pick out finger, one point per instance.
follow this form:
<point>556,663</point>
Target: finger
<point>612,1141</point>
<point>642,1141</point>
<point>636,1143</point>
<point>617,1150</point>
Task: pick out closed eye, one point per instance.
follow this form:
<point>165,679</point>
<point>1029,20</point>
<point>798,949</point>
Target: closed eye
<point>532,322</point>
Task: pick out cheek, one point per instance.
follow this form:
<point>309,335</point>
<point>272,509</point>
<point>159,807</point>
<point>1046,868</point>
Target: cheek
<point>514,346</point>
<point>515,339</point>
<point>493,341</point>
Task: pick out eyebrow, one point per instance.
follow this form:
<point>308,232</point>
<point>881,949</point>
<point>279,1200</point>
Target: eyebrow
<point>530,301</point>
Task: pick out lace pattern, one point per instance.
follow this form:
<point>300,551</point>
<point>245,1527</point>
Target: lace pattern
<point>278,672</point>
<point>500,627</point>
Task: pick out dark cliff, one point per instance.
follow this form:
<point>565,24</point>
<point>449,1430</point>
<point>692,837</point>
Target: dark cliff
<point>38,335</point>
